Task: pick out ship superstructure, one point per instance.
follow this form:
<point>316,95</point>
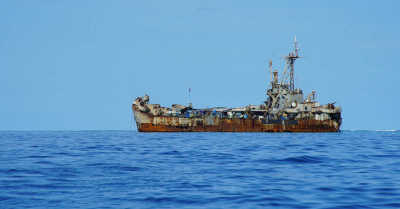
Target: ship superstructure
<point>285,110</point>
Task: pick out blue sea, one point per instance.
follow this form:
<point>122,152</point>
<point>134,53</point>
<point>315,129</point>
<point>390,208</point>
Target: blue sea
<point>122,169</point>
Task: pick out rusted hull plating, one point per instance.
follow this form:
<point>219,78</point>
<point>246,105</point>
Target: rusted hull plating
<point>149,123</point>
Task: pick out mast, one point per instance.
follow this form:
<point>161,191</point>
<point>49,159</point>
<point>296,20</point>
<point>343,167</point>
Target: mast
<point>288,75</point>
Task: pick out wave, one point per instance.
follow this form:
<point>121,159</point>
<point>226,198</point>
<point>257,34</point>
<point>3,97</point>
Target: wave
<point>302,159</point>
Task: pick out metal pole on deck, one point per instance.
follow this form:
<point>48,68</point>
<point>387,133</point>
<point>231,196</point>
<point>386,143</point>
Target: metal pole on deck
<point>190,98</point>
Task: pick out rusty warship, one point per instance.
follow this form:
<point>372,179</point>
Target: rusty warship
<point>286,109</point>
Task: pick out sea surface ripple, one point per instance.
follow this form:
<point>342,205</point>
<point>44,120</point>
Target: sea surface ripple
<point>121,169</point>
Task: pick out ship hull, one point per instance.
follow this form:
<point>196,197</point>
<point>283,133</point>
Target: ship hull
<point>149,123</point>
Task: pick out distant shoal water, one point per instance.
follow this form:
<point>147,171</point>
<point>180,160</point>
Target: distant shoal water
<point>122,169</point>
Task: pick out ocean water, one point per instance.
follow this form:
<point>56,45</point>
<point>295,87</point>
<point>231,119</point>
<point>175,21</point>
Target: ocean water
<point>122,169</point>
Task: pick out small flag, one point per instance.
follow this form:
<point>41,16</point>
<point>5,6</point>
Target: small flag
<point>189,88</point>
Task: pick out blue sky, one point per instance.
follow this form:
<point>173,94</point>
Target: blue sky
<point>78,65</point>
